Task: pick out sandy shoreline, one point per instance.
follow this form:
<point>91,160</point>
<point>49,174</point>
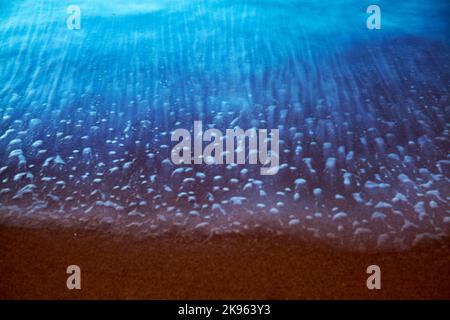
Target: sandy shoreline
<point>259,266</point>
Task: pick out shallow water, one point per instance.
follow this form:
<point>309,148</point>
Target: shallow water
<point>363,116</point>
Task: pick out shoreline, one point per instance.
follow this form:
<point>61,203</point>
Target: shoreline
<point>140,227</point>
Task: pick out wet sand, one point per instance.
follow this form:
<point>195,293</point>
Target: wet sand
<point>255,266</point>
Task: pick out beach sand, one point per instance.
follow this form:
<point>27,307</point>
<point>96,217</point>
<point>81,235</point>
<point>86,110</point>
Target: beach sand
<point>262,265</point>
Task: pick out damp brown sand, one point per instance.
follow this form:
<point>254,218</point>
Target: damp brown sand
<point>262,265</point>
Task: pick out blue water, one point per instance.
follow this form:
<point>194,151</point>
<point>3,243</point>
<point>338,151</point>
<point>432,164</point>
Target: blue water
<point>363,114</point>
<point>152,45</point>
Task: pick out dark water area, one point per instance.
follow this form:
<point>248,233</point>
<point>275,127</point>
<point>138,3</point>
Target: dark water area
<point>363,116</point>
